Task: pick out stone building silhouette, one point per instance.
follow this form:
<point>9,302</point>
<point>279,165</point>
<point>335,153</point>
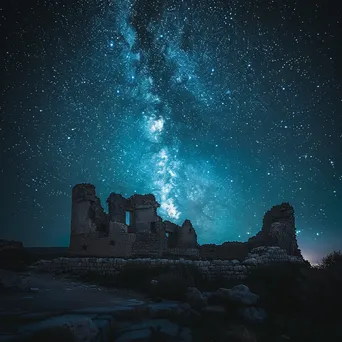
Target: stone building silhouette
<point>133,228</point>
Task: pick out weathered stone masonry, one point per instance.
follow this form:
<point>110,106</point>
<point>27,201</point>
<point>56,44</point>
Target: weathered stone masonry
<point>230,269</point>
<point>132,227</point>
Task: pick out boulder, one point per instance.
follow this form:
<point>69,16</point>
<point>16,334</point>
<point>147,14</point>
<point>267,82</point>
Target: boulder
<point>52,334</point>
<point>215,311</point>
<point>164,310</point>
<point>239,294</point>
<point>195,298</point>
<point>154,330</point>
<point>84,330</point>
<point>239,333</point>
<point>13,281</point>
<point>252,314</point>
<point>78,329</point>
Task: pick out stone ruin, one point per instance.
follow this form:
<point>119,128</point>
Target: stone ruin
<point>132,228</point>
<point>278,229</point>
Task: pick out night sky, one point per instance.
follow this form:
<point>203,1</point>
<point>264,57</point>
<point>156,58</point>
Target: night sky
<point>222,109</point>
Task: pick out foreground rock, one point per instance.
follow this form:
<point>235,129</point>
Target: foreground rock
<point>12,281</point>
<point>214,311</point>
<point>74,328</point>
<point>127,323</point>
<point>195,298</point>
<point>238,302</point>
<point>252,314</point>
<point>239,294</point>
<point>154,330</point>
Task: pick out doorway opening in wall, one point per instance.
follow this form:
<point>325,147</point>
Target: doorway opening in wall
<point>128,218</point>
<point>167,234</point>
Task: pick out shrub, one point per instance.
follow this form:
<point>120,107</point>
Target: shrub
<point>172,282</point>
<point>171,286</point>
<point>332,260</point>
<point>134,276</point>
<point>278,286</point>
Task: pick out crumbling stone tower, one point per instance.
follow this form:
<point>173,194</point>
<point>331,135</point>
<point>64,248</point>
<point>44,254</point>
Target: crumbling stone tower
<point>87,214</point>
<point>278,229</point>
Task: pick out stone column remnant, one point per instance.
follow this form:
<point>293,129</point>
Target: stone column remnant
<point>187,236</point>
<point>87,214</point>
<point>117,208</point>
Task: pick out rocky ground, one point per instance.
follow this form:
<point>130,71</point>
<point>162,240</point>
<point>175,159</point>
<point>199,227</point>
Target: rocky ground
<point>36,304</point>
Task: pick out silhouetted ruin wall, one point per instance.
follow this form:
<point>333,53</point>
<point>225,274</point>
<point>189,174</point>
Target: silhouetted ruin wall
<point>133,228</point>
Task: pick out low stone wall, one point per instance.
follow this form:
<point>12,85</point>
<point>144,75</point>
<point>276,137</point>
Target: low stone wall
<point>226,251</point>
<point>230,269</point>
<point>190,252</point>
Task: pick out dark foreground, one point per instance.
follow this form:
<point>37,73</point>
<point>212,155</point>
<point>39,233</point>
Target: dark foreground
<point>280,303</point>
<point>46,307</point>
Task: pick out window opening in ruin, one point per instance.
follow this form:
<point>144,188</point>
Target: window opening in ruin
<point>112,242</point>
<point>189,230</point>
<point>84,247</point>
<point>167,234</point>
<point>128,218</point>
<point>153,227</point>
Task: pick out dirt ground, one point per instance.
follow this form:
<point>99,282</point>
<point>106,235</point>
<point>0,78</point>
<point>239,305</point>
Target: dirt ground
<point>47,292</point>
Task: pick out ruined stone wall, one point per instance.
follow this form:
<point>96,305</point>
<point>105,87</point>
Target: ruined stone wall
<point>93,232</point>
<point>117,228</point>
<point>117,207</point>
<point>226,251</point>
<point>92,245</point>
<point>171,230</point>
<point>143,217</point>
<point>87,214</point>
<point>149,245</point>
<point>187,237</point>
<point>229,269</point>
<point>190,252</point>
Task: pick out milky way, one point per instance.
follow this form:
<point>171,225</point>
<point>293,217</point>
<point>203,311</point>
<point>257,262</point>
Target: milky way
<point>221,109</point>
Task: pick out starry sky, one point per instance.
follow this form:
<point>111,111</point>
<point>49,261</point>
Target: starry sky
<point>220,108</point>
